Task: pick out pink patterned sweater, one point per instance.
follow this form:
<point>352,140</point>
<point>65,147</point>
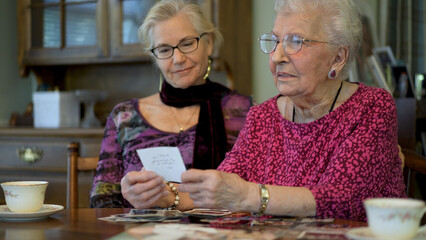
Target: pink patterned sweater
<point>343,158</point>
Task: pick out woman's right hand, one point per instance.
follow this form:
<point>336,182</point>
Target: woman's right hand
<point>144,189</point>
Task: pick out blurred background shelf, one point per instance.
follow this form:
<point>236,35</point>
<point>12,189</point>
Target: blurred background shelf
<point>45,158</point>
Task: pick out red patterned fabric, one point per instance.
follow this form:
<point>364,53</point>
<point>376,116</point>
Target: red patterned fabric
<point>344,157</point>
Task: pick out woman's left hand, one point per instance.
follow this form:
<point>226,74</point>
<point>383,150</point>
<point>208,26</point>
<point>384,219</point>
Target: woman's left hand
<point>217,190</point>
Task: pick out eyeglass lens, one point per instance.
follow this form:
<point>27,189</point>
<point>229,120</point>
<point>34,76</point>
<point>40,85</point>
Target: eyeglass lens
<point>187,46</point>
<point>268,42</point>
<point>291,43</point>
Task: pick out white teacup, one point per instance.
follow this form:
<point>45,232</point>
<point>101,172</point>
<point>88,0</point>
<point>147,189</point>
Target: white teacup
<point>24,196</point>
<point>394,218</point>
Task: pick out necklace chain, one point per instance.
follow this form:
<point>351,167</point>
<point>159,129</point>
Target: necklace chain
<point>181,128</point>
<point>332,105</point>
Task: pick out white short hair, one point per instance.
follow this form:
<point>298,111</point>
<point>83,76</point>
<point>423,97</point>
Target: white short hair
<point>341,22</point>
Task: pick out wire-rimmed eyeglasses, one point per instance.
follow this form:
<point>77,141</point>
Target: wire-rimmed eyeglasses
<point>185,46</point>
<point>292,43</point>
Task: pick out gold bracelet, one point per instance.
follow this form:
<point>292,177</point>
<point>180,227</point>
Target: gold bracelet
<point>264,199</point>
<point>174,190</point>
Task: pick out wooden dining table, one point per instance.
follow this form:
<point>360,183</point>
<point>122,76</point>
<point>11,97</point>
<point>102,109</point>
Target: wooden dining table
<point>83,223</point>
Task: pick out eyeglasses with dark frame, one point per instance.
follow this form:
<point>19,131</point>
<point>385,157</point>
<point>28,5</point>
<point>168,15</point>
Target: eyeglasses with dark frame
<point>292,43</point>
<point>187,45</point>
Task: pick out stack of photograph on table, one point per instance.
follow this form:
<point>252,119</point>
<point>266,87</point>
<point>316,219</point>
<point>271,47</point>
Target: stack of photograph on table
<point>146,215</point>
<point>156,215</point>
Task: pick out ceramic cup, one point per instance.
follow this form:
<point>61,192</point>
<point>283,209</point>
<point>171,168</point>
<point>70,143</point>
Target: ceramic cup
<point>394,218</point>
<point>24,196</point>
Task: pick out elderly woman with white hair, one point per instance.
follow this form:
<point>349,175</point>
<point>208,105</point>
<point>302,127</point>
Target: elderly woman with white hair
<point>322,145</point>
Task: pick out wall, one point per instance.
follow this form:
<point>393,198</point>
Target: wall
<point>263,21</point>
<point>15,92</point>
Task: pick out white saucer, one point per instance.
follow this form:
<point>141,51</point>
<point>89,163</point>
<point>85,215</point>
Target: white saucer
<point>45,211</point>
<point>364,233</point>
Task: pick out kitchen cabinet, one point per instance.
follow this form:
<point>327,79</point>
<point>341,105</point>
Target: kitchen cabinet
<point>63,32</point>
<point>55,34</point>
<point>41,154</point>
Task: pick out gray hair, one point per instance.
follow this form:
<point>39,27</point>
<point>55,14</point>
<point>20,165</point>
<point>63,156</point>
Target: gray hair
<point>341,22</point>
<point>167,9</point>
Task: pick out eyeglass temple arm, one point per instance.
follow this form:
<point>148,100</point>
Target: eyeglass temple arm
<point>309,40</point>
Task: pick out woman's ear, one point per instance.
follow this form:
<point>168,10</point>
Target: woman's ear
<point>341,58</point>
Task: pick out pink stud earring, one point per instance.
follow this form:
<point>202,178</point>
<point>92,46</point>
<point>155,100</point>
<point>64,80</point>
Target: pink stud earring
<point>332,74</point>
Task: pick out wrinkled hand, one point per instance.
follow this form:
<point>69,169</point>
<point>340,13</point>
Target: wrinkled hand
<point>143,189</point>
<point>214,189</point>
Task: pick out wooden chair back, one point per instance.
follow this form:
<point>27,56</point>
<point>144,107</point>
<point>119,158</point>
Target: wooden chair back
<point>414,163</point>
<point>75,165</point>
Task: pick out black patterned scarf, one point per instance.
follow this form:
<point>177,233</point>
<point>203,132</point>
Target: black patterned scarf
<point>211,141</point>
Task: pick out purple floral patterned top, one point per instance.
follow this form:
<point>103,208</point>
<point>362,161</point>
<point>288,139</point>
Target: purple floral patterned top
<point>344,157</point>
<point>127,130</point>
